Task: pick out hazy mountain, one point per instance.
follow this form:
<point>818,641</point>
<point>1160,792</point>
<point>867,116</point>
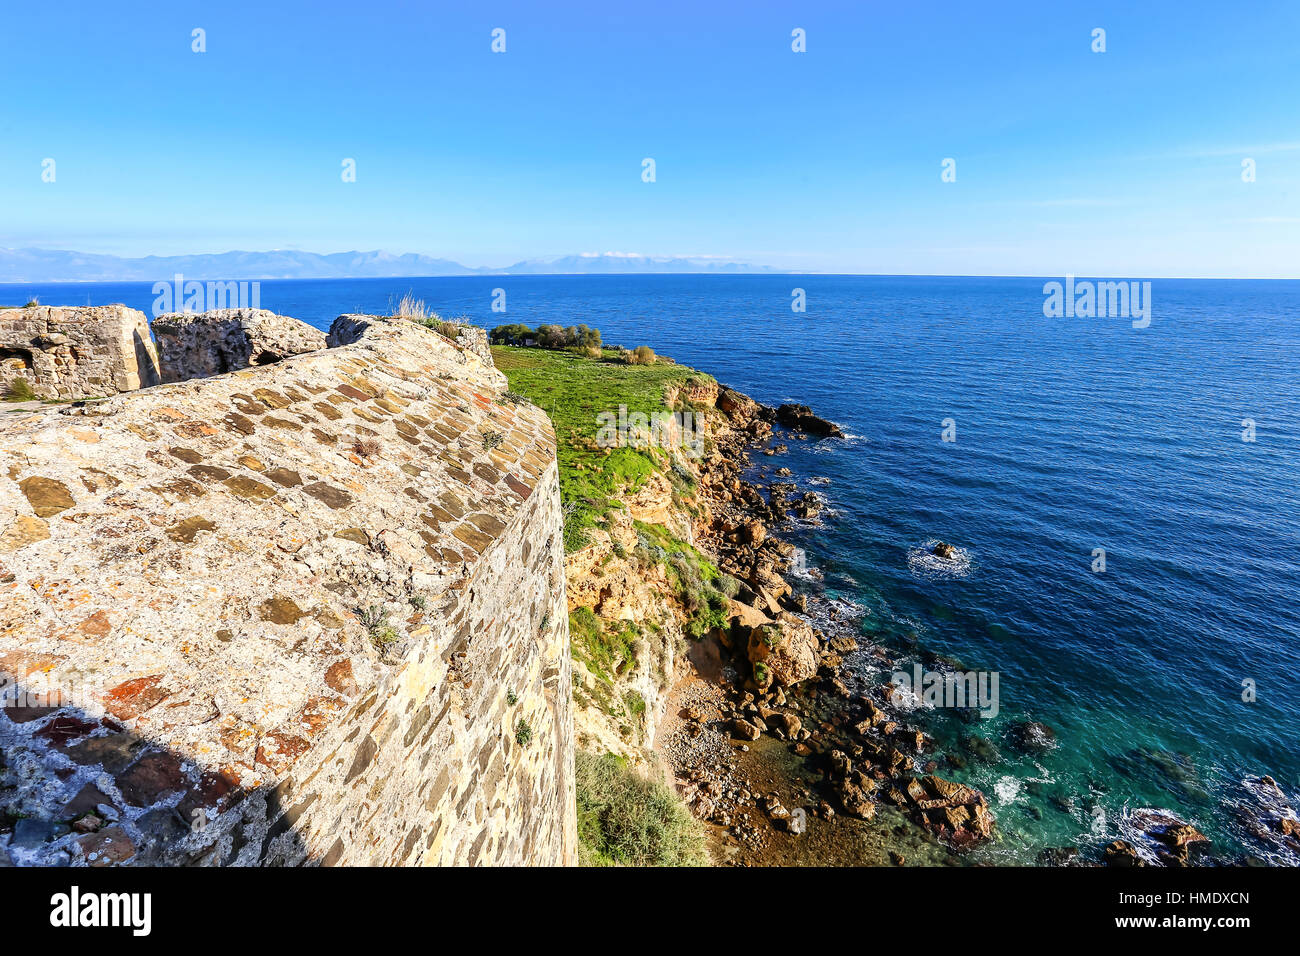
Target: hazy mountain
<point>48,265</point>
<point>45,265</point>
<point>611,263</point>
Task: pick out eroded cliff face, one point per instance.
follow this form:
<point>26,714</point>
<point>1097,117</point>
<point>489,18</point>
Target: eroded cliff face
<point>309,612</point>
<point>612,578</point>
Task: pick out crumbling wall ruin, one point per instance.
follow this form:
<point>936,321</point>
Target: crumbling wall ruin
<point>74,353</point>
<point>200,345</point>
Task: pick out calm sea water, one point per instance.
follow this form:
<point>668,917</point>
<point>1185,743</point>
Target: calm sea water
<point>1071,435</point>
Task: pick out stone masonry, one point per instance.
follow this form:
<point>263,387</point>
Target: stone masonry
<point>73,353</point>
<point>199,345</point>
<point>310,612</point>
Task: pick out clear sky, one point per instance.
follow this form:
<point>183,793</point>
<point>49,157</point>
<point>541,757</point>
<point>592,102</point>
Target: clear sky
<point>1123,163</point>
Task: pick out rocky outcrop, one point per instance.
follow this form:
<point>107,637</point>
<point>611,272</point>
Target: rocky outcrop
<point>203,344</point>
<point>75,353</point>
<point>800,418</point>
<point>307,612</point>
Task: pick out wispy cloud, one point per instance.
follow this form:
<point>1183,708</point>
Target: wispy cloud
<point>1238,150</point>
<point>1079,201</point>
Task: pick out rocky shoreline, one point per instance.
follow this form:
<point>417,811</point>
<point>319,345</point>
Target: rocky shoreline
<point>778,744</point>
<point>773,684</point>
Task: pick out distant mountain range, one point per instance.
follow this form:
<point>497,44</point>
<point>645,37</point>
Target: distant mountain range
<point>48,265</point>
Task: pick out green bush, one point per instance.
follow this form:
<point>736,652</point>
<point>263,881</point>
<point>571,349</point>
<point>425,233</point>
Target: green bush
<point>625,819</point>
<point>641,355</point>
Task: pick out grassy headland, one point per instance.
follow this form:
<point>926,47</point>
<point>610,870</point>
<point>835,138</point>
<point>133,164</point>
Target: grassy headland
<point>574,389</point>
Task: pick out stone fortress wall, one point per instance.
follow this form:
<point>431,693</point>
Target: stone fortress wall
<point>310,611</point>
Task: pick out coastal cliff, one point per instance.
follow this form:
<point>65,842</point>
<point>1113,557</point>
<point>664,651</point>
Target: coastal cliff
<point>694,655</point>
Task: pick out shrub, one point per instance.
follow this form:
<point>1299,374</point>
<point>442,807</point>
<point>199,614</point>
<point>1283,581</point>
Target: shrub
<point>515,333</point>
<point>641,355</point>
<point>32,303</point>
<point>375,620</point>
<point>629,820</point>
<point>523,733</point>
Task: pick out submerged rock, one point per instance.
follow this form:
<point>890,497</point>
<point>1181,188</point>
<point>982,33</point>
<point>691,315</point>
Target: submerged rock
<point>1031,736</point>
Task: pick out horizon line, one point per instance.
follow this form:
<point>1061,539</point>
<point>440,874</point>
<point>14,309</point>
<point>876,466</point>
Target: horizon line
<point>775,273</point>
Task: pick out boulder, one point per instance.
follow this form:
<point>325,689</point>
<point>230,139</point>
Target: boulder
<point>737,406</point>
<point>1121,853</point>
<point>944,550</point>
<point>856,801</point>
<point>787,649</point>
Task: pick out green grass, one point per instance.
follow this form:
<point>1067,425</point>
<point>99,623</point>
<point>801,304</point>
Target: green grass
<point>625,819</point>
<point>573,391</point>
<point>19,390</point>
<point>700,587</point>
<point>606,649</point>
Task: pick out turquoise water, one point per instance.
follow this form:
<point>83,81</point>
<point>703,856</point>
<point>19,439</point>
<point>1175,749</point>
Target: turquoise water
<point>1072,435</point>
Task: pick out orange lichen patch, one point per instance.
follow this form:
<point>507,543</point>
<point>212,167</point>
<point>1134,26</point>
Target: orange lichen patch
<point>167,413</point>
<point>132,698</point>
<point>279,749</point>
<point>339,677</point>
<point>95,626</point>
<point>21,664</point>
<point>316,714</point>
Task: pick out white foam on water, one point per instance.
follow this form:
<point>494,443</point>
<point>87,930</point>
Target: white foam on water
<point>1006,790</point>
<point>924,563</point>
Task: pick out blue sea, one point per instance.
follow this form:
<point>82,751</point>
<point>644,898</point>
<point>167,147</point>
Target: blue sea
<point>1071,435</point>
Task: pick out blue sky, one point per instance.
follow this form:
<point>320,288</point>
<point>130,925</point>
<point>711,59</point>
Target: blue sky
<point>1123,163</point>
